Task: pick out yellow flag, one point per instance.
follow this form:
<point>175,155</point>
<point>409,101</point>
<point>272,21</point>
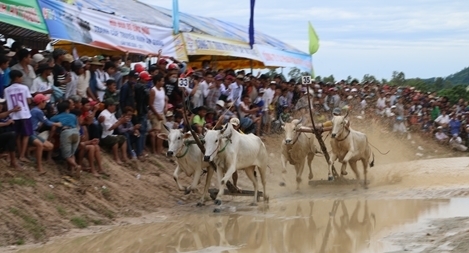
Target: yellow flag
<point>313,40</point>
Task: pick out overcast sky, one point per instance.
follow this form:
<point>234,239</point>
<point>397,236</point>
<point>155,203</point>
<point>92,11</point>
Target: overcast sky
<point>422,38</point>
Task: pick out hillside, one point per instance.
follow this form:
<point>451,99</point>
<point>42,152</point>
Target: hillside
<point>461,77</point>
<point>35,208</point>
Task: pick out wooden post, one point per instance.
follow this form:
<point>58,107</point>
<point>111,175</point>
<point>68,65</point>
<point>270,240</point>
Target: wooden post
<point>196,138</point>
<point>319,137</point>
<point>229,185</point>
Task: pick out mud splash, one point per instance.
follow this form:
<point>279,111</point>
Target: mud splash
<point>352,225</point>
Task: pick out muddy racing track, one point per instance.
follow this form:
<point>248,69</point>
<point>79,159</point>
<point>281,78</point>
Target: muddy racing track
<point>416,202</point>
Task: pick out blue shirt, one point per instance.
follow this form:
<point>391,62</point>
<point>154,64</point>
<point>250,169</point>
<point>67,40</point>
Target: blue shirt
<point>455,126</point>
<point>37,117</point>
<point>67,119</point>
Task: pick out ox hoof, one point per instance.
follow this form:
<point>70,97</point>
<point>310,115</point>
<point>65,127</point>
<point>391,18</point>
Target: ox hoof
<point>344,173</point>
<point>285,171</point>
<point>330,178</point>
<point>365,187</point>
<point>253,204</point>
<point>217,210</point>
<point>217,202</point>
<point>200,204</point>
<point>310,176</point>
<point>282,184</point>
<point>187,191</point>
<point>354,189</point>
<point>266,199</point>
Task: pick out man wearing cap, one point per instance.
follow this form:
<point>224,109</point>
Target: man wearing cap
<point>84,79</point>
<point>126,93</point>
<point>324,127</point>
<point>109,124</point>
<point>36,60</point>
<point>96,87</point>
<point>40,124</point>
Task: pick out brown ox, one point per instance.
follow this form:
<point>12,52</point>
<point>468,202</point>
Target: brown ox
<point>296,147</point>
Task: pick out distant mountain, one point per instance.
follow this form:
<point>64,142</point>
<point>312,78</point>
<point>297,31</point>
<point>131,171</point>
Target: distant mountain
<point>461,77</point>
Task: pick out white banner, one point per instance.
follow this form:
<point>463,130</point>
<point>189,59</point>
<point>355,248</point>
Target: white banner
<point>102,30</point>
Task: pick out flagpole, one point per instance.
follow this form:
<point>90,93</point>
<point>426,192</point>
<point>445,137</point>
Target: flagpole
<point>175,17</point>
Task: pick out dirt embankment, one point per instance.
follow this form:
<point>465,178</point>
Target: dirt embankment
<point>35,208</point>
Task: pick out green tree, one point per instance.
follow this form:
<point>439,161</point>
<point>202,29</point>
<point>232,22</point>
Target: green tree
<point>318,79</point>
<point>369,78</point>
<point>349,79</point>
<point>384,80</point>
<point>455,93</point>
<point>439,83</point>
<point>329,79</point>
<point>397,79</point>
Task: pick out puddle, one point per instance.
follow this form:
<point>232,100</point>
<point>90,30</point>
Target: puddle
<point>356,226</point>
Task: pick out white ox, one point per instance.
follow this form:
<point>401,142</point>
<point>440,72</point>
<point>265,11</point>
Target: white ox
<point>189,159</point>
<point>232,151</point>
<point>296,147</point>
<point>349,146</point>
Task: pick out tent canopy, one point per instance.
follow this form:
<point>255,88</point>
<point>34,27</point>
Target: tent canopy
<point>22,21</point>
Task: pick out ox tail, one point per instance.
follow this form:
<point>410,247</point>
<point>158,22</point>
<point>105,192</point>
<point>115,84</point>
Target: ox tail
<point>378,149</point>
<point>372,160</point>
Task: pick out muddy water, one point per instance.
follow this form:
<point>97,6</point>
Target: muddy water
<point>287,226</point>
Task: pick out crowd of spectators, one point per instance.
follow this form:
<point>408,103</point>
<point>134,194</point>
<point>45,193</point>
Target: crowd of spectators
<point>62,107</point>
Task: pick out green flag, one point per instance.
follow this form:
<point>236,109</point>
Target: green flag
<point>313,40</point>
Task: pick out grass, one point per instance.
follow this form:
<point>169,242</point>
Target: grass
<point>61,211</point>
<point>98,222</point>
<point>21,181</point>
<point>30,223</point>
<point>20,241</point>
<point>109,214</point>
<point>79,222</point>
<point>49,196</point>
<point>106,193</point>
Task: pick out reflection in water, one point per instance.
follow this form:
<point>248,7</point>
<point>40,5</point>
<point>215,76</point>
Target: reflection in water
<point>315,226</point>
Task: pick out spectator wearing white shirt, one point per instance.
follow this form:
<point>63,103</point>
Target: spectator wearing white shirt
<point>225,88</point>
<point>456,143</point>
<point>18,98</point>
<point>236,91</point>
<point>440,136</point>
<point>84,78</point>
<point>110,123</point>
<point>43,82</point>
<point>206,83</point>
<point>443,119</point>
<point>380,104</point>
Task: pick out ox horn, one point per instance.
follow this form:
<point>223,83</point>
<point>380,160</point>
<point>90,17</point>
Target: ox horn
<point>346,115</point>
<point>301,121</point>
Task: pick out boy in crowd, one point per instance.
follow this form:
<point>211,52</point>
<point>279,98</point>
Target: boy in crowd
<point>69,135</point>
<point>17,94</point>
<point>41,126</point>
